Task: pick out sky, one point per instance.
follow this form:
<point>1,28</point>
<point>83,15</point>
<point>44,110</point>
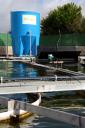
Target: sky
<point>42,6</point>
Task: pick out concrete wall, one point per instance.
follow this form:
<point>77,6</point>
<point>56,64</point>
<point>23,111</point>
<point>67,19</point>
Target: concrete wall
<point>5,50</point>
<point>62,48</point>
<point>61,51</point>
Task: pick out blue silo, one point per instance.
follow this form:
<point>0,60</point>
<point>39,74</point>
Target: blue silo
<point>25,30</point>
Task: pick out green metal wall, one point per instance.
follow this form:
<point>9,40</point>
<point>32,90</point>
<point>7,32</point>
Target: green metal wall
<point>4,39</point>
<point>63,40</point>
<point>52,40</point>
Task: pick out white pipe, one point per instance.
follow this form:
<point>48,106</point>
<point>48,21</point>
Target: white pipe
<point>30,43</point>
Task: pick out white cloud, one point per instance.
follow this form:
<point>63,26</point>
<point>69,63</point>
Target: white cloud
<point>42,6</point>
<point>51,4</point>
<point>82,4</point>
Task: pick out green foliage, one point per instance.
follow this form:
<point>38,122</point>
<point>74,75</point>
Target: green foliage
<point>67,19</point>
<point>83,25</point>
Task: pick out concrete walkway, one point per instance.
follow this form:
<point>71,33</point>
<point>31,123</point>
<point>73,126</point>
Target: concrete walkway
<point>41,86</point>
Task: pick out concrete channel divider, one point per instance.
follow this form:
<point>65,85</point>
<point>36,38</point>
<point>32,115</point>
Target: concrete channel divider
<point>14,112</point>
<point>43,78</point>
<point>38,65</point>
<point>15,107</point>
<point>41,86</point>
<point>73,119</point>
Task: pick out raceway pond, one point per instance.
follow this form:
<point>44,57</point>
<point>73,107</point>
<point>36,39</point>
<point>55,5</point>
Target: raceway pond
<point>15,69</point>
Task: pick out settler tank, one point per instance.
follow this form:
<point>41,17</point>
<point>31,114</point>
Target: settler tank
<point>25,32</point>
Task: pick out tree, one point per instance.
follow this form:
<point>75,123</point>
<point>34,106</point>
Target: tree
<point>67,19</point>
<point>83,25</point>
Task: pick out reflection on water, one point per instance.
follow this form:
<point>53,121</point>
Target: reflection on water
<point>74,67</point>
<point>15,69</point>
<point>22,70</point>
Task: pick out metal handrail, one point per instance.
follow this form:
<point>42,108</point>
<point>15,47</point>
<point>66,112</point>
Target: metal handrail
<point>43,78</point>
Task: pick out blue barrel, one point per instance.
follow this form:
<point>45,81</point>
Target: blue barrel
<point>25,30</point>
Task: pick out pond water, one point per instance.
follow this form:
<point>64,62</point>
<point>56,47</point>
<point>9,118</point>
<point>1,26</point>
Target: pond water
<point>15,69</point>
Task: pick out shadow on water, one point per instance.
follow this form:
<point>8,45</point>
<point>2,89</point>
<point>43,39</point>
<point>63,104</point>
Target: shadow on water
<point>14,126</point>
<point>44,122</point>
<point>9,126</point>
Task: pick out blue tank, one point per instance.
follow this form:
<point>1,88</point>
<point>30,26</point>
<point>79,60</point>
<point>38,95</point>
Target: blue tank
<point>25,30</point>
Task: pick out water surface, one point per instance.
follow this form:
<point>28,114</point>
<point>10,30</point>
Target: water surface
<point>15,69</point>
